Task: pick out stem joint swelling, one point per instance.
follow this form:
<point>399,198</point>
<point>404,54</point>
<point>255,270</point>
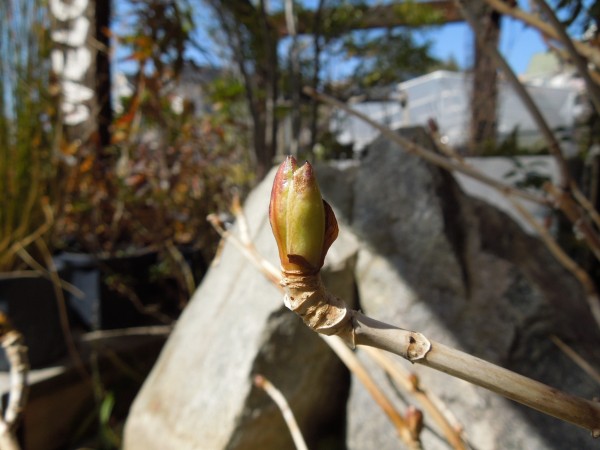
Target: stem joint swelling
<point>327,314</point>
<point>321,311</point>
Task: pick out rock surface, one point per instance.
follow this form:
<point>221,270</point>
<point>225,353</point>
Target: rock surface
<point>461,272</point>
<point>421,255</point>
<point>200,393</point>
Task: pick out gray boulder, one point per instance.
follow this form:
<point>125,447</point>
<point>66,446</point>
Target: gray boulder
<point>418,253</point>
<point>462,273</point>
<point>200,394</point>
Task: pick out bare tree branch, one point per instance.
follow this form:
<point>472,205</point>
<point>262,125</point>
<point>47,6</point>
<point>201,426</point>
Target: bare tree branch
<point>579,61</point>
<point>428,155</point>
<point>279,399</point>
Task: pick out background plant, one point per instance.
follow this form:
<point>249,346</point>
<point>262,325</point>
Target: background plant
<point>29,160</point>
<point>168,166</point>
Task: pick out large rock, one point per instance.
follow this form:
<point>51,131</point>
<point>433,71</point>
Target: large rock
<point>458,270</point>
<point>200,393</point>
<point>420,254</point>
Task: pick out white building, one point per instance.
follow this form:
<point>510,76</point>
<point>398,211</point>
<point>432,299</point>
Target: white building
<point>445,97</point>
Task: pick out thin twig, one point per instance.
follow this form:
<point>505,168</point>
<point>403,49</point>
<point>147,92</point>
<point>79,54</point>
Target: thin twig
<point>358,369</point>
<point>519,88</point>
<point>39,270</point>
<point>567,184</point>
<point>428,155</point>
<point>588,51</point>
<point>588,206</point>
<point>184,267</point>
<point>410,383</point>
<point>61,304</point>
<point>561,256</point>
<point>579,61</point>
<point>574,213</point>
<point>238,212</point>
<point>16,354</point>
<point>33,236</point>
<point>443,148</point>
<point>267,270</point>
<point>276,395</point>
<point>558,33</point>
<point>576,358</point>
<point>591,294</point>
<point>107,335</point>
<point>418,349</point>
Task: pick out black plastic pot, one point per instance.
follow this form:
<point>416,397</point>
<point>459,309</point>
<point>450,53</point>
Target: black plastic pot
<point>116,289</point>
<point>30,303</point>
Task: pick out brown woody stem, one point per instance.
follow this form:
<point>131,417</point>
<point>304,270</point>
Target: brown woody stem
<point>417,348</point>
<point>327,314</point>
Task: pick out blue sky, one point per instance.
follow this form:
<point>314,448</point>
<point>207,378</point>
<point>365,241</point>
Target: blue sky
<point>517,43</point>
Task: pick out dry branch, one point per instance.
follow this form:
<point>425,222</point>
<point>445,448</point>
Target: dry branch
<point>586,50</point>
<point>119,333</point>
<point>579,61</point>
<point>591,293</point>
<point>577,359</point>
<point>428,155</point>
<point>565,202</point>
<point>567,183</point>
<point>279,399</point>
<point>16,354</point>
<point>410,383</point>
<point>350,360</point>
<point>419,349</point>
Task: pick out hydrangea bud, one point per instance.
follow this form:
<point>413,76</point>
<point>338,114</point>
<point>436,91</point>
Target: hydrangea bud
<point>303,224</point>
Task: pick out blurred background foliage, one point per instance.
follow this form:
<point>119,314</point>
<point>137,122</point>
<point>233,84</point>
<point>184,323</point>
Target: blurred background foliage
<point>178,153</point>
<point>168,166</point>
<point>29,160</point>
<point>172,160</point>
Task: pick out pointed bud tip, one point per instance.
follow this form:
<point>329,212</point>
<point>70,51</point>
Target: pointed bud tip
<point>288,164</point>
<point>285,171</point>
<point>305,179</point>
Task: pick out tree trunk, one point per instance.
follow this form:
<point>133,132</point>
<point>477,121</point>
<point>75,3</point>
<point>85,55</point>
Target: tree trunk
<point>484,96</point>
<point>314,105</point>
<point>103,72</point>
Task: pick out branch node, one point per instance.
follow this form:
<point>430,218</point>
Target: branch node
<point>418,347</point>
<point>321,311</point>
